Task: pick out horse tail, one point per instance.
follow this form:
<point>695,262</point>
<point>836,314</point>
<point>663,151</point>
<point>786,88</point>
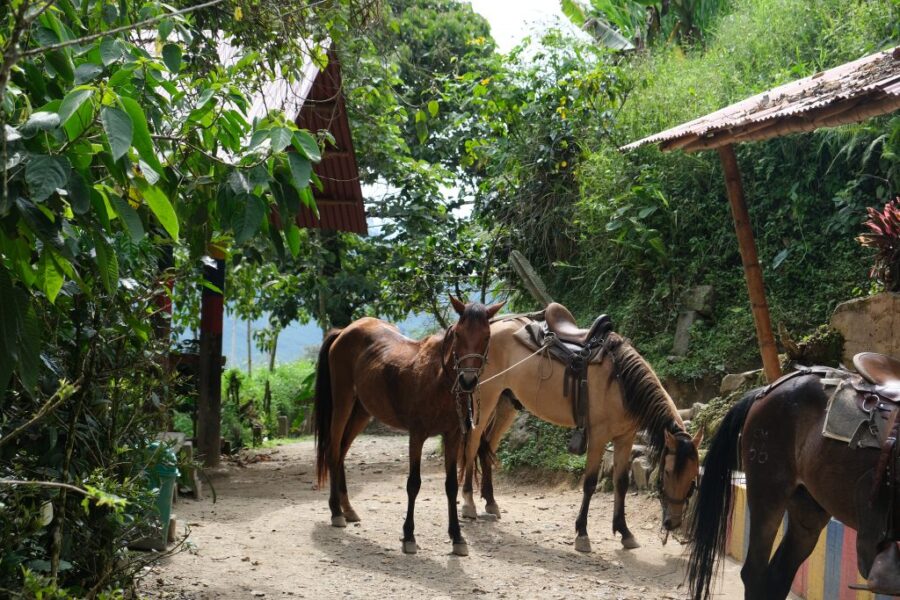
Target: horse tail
<point>713,506</point>
<point>323,406</point>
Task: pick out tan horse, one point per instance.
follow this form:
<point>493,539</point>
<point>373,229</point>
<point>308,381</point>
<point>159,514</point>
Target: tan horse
<point>625,396</point>
<point>370,369</point>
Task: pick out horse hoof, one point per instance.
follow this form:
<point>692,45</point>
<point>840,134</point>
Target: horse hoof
<point>338,521</point>
<point>583,543</point>
<point>461,549</point>
<point>492,509</point>
<point>469,512</point>
<point>410,547</point>
<point>351,516</point>
<point>630,543</point>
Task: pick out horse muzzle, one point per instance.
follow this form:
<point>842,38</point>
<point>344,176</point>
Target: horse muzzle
<point>467,382</point>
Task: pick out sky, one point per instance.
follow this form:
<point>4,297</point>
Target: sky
<point>512,20</point>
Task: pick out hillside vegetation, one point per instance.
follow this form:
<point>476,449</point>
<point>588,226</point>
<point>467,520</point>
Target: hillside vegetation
<point>649,225</point>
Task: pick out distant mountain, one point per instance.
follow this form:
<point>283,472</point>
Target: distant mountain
<point>295,342</point>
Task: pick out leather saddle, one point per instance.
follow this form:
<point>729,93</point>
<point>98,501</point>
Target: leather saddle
<point>561,322</point>
<point>882,371</point>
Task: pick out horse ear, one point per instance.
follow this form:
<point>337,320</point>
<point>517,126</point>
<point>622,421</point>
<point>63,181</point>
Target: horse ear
<point>493,309</point>
<point>698,438</point>
<point>671,442</point>
<point>458,305</point>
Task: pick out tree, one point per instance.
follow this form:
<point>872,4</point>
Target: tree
<point>125,134</point>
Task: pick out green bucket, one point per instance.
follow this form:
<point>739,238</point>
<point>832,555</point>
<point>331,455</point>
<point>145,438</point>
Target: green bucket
<point>163,473</point>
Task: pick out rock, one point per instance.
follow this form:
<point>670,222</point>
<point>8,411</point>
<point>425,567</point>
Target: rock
<point>700,298</point>
<point>869,324</point>
<point>518,435</point>
<point>640,471</point>
<point>735,381</point>
<point>682,341</point>
<point>606,467</point>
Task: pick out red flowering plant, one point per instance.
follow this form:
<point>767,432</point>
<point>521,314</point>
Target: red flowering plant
<point>884,236</point>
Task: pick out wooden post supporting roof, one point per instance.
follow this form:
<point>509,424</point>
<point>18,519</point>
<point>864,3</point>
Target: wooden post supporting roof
<point>750,260</point>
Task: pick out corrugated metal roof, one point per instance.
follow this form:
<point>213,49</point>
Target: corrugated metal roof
<point>849,93</point>
<point>340,202</point>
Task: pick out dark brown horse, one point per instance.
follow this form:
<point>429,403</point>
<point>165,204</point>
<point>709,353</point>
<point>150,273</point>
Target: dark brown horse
<point>625,396</point>
<point>790,466</point>
<point>369,369</point>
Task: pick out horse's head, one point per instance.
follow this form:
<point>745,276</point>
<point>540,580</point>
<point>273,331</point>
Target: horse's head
<point>469,338</point>
<point>679,470</point>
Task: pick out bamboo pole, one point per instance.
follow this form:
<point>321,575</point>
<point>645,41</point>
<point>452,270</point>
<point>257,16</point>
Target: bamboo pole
<point>752,270</point>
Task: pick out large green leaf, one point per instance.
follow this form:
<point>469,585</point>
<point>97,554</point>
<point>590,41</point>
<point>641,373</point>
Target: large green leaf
<point>119,131</point>
<point>130,218</point>
<point>141,136</point>
<point>79,193</point>
<point>292,233</point>
<point>159,203</point>
<point>280,137</point>
<point>39,121</point>
<point>50,276</point>
<point>73,101</point>
<point>301,169</point>
<point>107,264</point>
<point>110,50</point>
<point>171,54</point>
<point>307,145</point>
<point>247,221</point>
<point>44,174</point>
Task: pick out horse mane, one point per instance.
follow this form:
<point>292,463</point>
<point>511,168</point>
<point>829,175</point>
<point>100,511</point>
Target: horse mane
<point>644,397</point>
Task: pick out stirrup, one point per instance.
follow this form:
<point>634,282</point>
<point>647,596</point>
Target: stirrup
<point>578,442</point>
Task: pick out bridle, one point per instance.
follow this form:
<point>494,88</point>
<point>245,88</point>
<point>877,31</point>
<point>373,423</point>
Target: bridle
<point>468,405</point>
<point>669,500</point>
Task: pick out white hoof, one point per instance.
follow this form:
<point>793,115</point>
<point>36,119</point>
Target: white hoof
<point>630,543</point>
<point>493,509</point>
<point>410,547</point>
<point>351,516</point>
<point>469,512</point>
<point>583,543</point>
<point>338,521</point>
<point>461,549</point>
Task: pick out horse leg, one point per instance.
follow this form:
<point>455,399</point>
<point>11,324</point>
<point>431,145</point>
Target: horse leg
<point>806,519</point>
<point>621,473</point>
<point>768,495</point>
<point>344,403</point>
<point>503,419</point>
<point>591,471</point>
<point>451,487</point>
<point>472,442</point>
<point>413,483</point>
<point>359,418</point>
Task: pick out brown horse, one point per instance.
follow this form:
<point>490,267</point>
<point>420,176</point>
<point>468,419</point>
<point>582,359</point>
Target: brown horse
<point>625,397</point>
<point>790,466</point>
<point>369,369</point>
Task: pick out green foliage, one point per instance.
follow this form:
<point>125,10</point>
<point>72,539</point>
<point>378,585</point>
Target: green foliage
<point>125,138</point>
<point>545,449</point>
<point>652,224</point>
<point>291,387</point>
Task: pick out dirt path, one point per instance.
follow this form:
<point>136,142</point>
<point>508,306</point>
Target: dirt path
<point>268,536</point>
